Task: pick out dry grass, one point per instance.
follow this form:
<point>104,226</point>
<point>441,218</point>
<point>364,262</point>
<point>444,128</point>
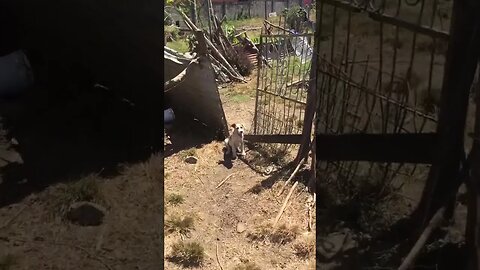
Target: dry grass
<point>247,265</point>
<point>305,248</point>
<point>181,225</point>
<point>86,189</point>
<point>154,168</point>
<point>282,235</point>
<point>175,199</point>
<point>187,153</point>
<point>177,224</point>
<point>187,254</point>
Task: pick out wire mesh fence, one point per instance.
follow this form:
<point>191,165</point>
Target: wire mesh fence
<point>282,82</point>
<point>380,71</point>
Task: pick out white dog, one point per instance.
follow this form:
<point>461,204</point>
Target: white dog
<point>235,143</point>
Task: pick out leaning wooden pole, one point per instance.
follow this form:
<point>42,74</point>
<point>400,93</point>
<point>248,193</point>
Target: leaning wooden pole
<point>462,57</point>
<point>311,106</point>
<point>422,240</point>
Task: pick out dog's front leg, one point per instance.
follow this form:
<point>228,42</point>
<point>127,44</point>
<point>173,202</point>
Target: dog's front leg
<point>227,145</point>
<point>242,148</point>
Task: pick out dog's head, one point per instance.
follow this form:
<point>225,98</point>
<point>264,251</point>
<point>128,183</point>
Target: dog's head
<point>238,128</point>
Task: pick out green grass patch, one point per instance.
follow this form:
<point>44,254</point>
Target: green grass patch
<point>240,98</point>
<point>179,45</point>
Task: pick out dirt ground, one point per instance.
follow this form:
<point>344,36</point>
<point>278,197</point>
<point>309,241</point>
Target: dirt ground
<point>33,235</point>
<point>52,156</point>
<point>233,222</point>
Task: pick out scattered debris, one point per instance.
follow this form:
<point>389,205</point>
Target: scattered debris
<point>86,213</point>
<point>335,244</point>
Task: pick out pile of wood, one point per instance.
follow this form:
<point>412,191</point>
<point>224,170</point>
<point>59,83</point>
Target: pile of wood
<point>218,46</point>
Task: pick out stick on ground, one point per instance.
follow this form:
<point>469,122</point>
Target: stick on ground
<point>224,180</point>
<point>291,176</point>
<point>218,259</point>
<point>284,204</point>
<point>412,255</point>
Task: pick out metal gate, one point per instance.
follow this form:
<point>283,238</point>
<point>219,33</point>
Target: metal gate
<point>379,78</point>
<point>282,86</point>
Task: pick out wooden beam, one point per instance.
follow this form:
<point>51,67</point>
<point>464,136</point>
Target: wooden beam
<point>461,61</point>
<point>409,148</point>
<point>290,139</point>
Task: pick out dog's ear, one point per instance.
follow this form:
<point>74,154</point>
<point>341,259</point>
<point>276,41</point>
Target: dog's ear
<point>233,125</point>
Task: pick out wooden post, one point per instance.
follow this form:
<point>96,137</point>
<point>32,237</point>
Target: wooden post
<point>194,11</point>
<point>224,9</point>
<point>462,58</point>
<point>266,13</point>
<point>209,9</point>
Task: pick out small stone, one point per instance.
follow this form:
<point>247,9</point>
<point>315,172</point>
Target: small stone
<point>241,227</point>
<point>86,213</point>
<point>191,160</point>
<point>14,141</point>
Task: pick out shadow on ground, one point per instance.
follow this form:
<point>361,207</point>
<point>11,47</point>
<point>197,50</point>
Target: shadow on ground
<point>186,132</point>
<point>385,249</point>
<point>74,134</point>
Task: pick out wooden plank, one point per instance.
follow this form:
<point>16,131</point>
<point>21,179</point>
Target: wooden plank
<point>408,148</point>
<point>290,139</point>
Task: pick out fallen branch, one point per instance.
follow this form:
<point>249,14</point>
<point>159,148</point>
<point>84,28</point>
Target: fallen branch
<point>277,26</point>
<point>284,204</point>
<point>295,83</point>
<point>412,255</point>
<point>224,180</point>
<point>291,176</point>
<point>249,28</point>
<point>218,260</point>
